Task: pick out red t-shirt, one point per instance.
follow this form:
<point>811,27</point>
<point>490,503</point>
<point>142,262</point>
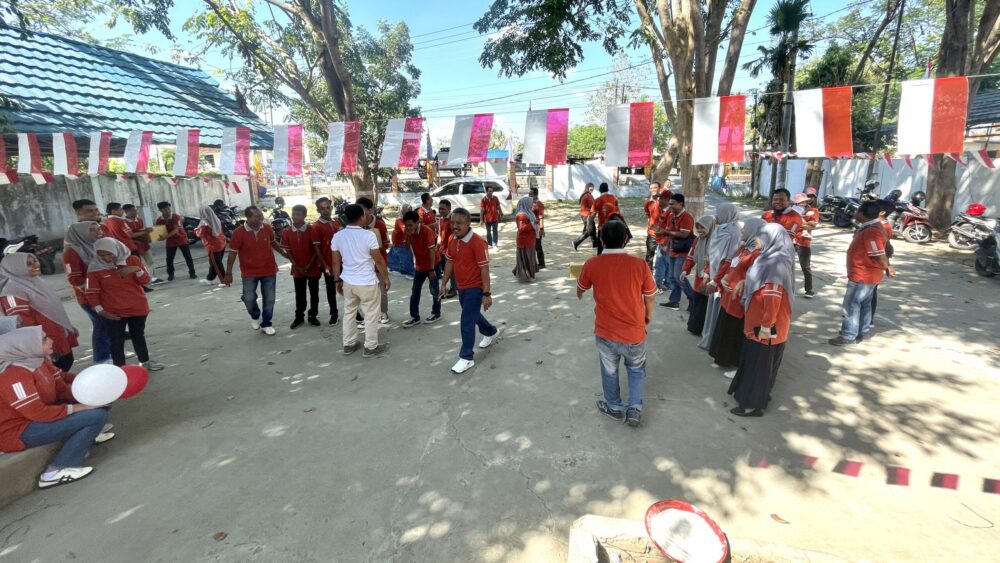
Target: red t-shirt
<point>768,307</point>
<point>175,221</point>
<point>489,209</point>
<point>428,216</point>
<point>662,224</point>
<point>525,232</point>
<point>399,233</point>
<point>298,243</point>
<point>652,209</point>
<point>803,237</point>
<point>137,225</point>
<point>790,220</point>
<point>466,257</point>
<point>604,206</point>
<point>31,396</point>
<point>117,295</point>
<point>444,234</point>
<point>422,244</point>
<point>255,251</point>
<point>321,233</point>
<point>621,283</point>
<point>735,273</point>
<point>63,340</point>
<point>683,223</point>
<point>76,273</point>
<point>586,204</point>
<point>213,242</point>
<point>383,239</point>
<point>863,256</point>
<point>538,208</point>
<point>118,229</point>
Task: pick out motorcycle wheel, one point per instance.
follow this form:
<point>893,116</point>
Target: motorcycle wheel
<point>825,215</point>
<point>982,269</point>
<point>47,263</point>
<point>841,220</point>
<point>917,234</point>
<point>960,242</point>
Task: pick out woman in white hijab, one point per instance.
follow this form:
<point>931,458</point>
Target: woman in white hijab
<point>527,233</point>
<point>210,232</point>
<point>723,246</point>
<point>767,296</point>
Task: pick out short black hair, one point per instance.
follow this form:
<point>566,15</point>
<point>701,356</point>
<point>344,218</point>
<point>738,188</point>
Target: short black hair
<point>411,217</point>
<point>365,202</point>
<point>353,212</point>
<point>886,207</point>
<point>300,208</point>
<point>323,199</point>
<point>249,208</point>
<point>604,187</point>
<point>787,193</point>
<point>112,207</point>
<point>613,234</point>
<point>81,203</point>
<point>654,183</point>
<point>870,209</point>
<point>533,191</point>
<point>424,197</point>
<point>445,202</point>
<point>163,205</point>
<point>463,212</point>
<point>679,198</point>
<point>128,207</point>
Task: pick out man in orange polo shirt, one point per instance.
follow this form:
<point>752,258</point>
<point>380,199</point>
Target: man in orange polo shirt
<point>803,240</point>
<point>866,264</point>
<point>623,292</point>
<point>255,244</point>
<point>422,242</point>
<point>605,205</point>
<point>586,216</point>
<point>490,214</point>
<point>781,212</point>
<point>652,210</point>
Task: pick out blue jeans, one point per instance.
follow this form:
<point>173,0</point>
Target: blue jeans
<point>471,301</point>
<point>661,270</point>
<point>492,233</point>
<point>418,285</point>
<point>857,309</point>
<point>452,284</point>
<point>676,266</point>
<point>267,284</point>
<point>634,356</point>
<point>77,432</point>
<point>100,338</point>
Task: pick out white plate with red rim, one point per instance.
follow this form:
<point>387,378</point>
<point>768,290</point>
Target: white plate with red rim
<point>683,532</point>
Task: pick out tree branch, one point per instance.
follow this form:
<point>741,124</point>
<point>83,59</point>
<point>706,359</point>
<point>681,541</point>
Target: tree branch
<point>738,26</point>
<point>890,12</point>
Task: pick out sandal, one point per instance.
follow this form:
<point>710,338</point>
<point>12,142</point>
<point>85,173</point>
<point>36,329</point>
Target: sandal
<point>739,411</point>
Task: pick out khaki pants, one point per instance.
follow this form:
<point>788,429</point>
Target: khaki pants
<point>367,298</point>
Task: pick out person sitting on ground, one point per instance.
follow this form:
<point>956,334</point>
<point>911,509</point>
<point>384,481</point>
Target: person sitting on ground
<point>526,265</point>
<point>624,293</point>
<point>37,408</point>
<point>114,290</point>
<point>143,242</point>
<point>297,242</point>
<point>421,241</point>
<point>177,239</point>
<point>24,294</point>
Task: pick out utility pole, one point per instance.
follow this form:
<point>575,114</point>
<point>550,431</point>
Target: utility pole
<point>786,114</point>
<point>885,91</point>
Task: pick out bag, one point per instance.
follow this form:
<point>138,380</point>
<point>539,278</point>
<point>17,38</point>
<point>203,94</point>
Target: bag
<point>682,245</point>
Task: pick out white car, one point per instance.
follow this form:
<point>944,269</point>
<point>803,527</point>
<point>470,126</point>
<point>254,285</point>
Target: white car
<point>466,192</point>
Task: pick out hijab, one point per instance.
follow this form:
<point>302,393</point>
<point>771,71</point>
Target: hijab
<point>701,249</point>
<point>113,246</point>
<point>78,238</point>
<point>209,218</point>
<point>8,324</point>
<point>725,237</point>
<point>16,281</point>
<point>751,227</point>
<point>22,347</point>
<point>776,263</point>
<point>524,206</point>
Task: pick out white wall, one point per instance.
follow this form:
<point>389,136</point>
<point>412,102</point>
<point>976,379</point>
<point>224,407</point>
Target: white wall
<point>568,180</point>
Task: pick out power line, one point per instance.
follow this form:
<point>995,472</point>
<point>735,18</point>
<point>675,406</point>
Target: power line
<point>443,30</point>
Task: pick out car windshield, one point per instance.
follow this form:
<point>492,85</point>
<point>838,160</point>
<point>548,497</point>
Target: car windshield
<point>450,189</point>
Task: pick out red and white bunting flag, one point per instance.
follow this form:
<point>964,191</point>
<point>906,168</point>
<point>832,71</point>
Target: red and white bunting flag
<point>931,162</point>
<point>29,157</point>
<point>234,158</point>
<point>630,135</point>
<point>64,157</point>
<point>778,155</point>
<point>4,178</point>
<point>887,158</point>
<point>545,137</point>
<point>186,152</point>
<point>236,187</point>
<point>100,150</point>
<point>342,145</point>
<point>401,147</point>
<point>984,158</point>
<point>908,161</point>
<point>719,129</point>
<point>137,152</point>
<point>470,139</point>
<point>934,111</point>
<point>864,156</point>
<point>287,159</point>
<point>957,157</point>
<point>823,122</point>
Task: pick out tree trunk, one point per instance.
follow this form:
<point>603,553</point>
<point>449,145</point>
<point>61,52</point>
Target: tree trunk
<point>662,170</point>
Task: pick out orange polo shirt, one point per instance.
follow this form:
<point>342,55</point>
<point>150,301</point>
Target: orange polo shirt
<point>735,273</point>
<point>621,283</point>
<point>76,273</point>
<point>489,209</point>
<point>803,237</point>
<point>321,233</point>
<point>604,206</point>
<point>467,256</point>
<point>790,220</point>
<point>652,209</point>
<point>586,204</point>
<point>118,229</point>
<point>63,341</point>
<point>421,244</point>
<point>255,251</point>
<point>768,307</point>
<point>864,254</point>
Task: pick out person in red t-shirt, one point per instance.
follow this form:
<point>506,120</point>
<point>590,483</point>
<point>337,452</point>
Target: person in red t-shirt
<point>652,209</point>
<point>586,216</point>
<point>526,263</point>
<point>623,297</point>
<point>213,238</point>
<point>143,243</point>
<point>117,227</point>
<point>254,243</point>
<point>490,215</point>
<point>866,264</point>
<point>114,290</point>
<point>538,208</point>
<point>426,210</point>
<point>696,265</point>
<point>177,239</point>
<point>445,234</point>
<point>605,206</point>
<point>78,251</point>
<point>321,233</point>
<point>423,244</point>
<point>679,230</point>
<point>297,243</point>
<point>803,241</point>
<point>468,261</point>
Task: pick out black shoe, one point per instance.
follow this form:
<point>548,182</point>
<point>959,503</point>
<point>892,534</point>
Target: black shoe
<point>809,294</point>
<point>192,276</point>
<point>840,341</point>
<point>148,289</point>
<point>296,324</point>
<point>609,412</point>
<point>633,416</point>
<point>747,413</point>
<point>541,266</point>
<point>411,322</point>
<point>359,318</point>
<point>671,305</point>
<point>170,277</point>
<point>313,321</point>
<point>432,319</point>
<point>333,320</point>
<point>576,245</point>
<point>376,351</point>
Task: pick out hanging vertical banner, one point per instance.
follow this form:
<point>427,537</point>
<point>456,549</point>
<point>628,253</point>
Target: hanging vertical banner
<point>630,135</point>
<point>823,122</point>
<point>186,152</point>
<point>29,158</point>
<point>719,130</point>
<point>343,142</point>
<point>4,178</point>
<point>64,158</point>
<point>934,113</point>
<point>545,137</point>
<point>401,147</point>
<point>137,152</point>
<point>287,160</point>
<point>234,158</point>
<point>100,151</point>
<point>470,140</point>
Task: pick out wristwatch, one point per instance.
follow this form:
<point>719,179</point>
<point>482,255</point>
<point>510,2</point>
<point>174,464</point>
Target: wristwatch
<point>487,294</point>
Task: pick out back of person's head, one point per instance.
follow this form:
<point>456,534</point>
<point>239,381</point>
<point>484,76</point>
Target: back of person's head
<point>462,212</point>
<point>354,213</point>
<point>81,203</point>
<point>323,200</point>
<point>128,207</point>
<point>113,206</point>
<point>613,234</point>
<point>604,187</point>
<point>163,205</point>
<point>886,207</point>
<point>299,209</point>
<point>425,197</point>
<point>679,198</point>
<point>366,202</point>
<point>250,210</point>
<point>870,209</point>
<point>411,217</point>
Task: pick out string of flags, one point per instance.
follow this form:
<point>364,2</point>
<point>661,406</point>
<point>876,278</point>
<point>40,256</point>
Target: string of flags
<point>934,110</point>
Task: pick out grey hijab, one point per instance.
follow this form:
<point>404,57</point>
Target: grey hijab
<point>22,347</point>
<point>701,249</point>
<point>113,246</point>
<point>776,263</point>
<point>208,217</point>
<point>524,206</point>
<point>751,227</point>
<point>78,238</point>
<point>725,237</point>
<point>15,281</point>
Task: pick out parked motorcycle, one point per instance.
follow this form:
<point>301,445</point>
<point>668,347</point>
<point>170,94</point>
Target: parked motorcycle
<point>190,224</point>
<point>988,255</point>
<point>912,223</point>
<point>280,219</point>
<point>841,210</point>
<point>43,252</point>
<point>970,228</point>
<point>229,216</point>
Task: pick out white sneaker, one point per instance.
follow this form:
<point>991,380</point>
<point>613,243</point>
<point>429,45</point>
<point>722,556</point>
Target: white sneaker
<point>156,281</point>
<point>462,366</point>
<point>729,374</point>
<point>104,437</point>
<point>204,282</point>
<point>488,341</point>
<point>269,330</point>
<point>107,428</point>
<point>255,324</point>
<point>221,284</point>
<point>384,319</point>
<point>63,476</point>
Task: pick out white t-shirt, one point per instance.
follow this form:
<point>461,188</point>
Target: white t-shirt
<point>355,245</point>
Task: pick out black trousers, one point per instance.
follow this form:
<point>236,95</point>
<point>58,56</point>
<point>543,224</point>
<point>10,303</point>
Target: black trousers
<point>172,253</point>
<point>215,267</point>
<point>805,262</point>
<point>64,362</point>
<point>137,331</point>
<point>650,251</point>
<point>589,231</point>
<point>331,295</point>
<point>539,252</point>
<point>301,283</point>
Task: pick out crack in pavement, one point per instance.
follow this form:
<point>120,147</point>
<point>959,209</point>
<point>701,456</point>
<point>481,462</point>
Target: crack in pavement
<point>3,529</point>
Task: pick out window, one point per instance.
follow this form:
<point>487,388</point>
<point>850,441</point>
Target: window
<point>474,188</point>
<point>450,189</point>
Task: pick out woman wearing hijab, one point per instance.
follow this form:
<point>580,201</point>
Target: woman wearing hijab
<point>37,407</point>
<point>697,262</point>
<point>210,232</point>
<point>723,246</point>
<point>114,290</point>
<point>24,294</point>
<point>78,252</point>
<point>400,255</point>
<point>527,233</point>
<point>728,341</point>
<point>767,295</point>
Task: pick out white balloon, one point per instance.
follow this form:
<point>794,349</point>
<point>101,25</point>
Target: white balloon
<point>99,385</point>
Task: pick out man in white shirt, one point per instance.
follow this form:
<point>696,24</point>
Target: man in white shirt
<point>356,259</point>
